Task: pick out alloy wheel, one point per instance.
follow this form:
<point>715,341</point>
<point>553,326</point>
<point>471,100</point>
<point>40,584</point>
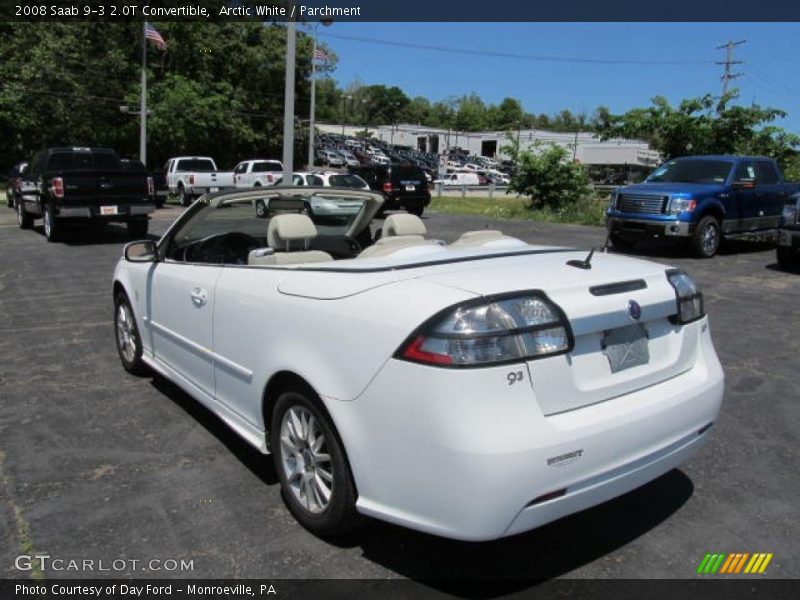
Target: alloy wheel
<point>305,459</point>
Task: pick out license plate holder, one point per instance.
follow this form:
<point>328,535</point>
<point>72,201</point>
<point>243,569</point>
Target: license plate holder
<point>626,347</point>
<point>214,189</point>
<point>410,188</point>
<point>109,210</point>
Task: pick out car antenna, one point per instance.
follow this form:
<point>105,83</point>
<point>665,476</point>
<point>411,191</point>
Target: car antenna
<point>586,263</point>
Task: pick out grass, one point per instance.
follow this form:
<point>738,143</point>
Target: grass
<point>589,210</point>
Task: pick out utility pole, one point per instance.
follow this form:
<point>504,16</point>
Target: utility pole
<point>728,62</point>
<point>143,101</point>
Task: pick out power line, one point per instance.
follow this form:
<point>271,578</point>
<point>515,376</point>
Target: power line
<point>536,57</point>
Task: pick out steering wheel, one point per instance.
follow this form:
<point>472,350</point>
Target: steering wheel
<point>224,248</point>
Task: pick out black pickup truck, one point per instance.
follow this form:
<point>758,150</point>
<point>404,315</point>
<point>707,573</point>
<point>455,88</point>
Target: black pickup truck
<point>68,184</point>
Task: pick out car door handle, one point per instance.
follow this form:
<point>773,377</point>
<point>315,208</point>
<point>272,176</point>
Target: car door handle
<point>199,296</point>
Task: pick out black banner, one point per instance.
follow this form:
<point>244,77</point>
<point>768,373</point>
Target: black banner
<point>367,11</point>
<point>248,589</point>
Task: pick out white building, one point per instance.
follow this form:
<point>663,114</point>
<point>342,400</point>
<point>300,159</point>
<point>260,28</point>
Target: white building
<point>586,147</point>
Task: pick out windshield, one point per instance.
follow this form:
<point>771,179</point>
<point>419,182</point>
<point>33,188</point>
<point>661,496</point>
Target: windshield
<point>691,171</point>
<point>262,167</point>
<point>198,165</point>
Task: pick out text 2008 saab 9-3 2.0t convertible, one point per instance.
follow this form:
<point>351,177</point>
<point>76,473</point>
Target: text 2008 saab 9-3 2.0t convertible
<point>471,390</point>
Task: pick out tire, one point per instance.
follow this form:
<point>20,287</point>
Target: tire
<point>706,238</point>
<point>417,210</point>
<point>304,471</point>
<point>126,334</point>
<point>137,228</point>
<point>52,226</point>
<point>622,244</point>
<point>9,198</point>
<point>24,219</point>
<point>788,258</point>
<point>183,197</point>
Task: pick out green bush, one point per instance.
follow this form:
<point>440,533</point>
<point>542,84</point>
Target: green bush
<point>547,174</point>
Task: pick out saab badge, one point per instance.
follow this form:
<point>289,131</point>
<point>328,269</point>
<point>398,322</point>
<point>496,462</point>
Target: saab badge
<point>634,310</point>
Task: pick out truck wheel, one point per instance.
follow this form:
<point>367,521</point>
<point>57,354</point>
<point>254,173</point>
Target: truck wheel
<point>137,228</point>
<point>706,238</point>
<point>183,198</point>
<point>24,219</point>
<point>417,210</point>
<point>788,258</point>
<point>52,226</point>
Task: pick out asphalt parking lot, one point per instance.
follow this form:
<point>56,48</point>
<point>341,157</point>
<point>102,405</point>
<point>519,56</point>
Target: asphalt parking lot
<point>96,463</point>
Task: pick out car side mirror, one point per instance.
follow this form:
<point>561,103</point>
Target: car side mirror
<point>141,252</point>
<point>745,184</point>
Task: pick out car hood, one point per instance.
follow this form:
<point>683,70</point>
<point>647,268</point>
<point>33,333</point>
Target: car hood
<point>673,188</point>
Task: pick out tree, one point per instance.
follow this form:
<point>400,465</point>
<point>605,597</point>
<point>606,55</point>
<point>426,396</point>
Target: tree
<point>547,174</point>
<point>704,126</point>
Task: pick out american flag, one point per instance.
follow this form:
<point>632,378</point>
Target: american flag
<point>151,34</point>
<point>320,55</point>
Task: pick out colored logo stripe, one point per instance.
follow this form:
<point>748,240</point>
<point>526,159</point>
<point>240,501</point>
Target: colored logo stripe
<point>734,563</point>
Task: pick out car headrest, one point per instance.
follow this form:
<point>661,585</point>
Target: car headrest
<point>284,229</point>
<point>403,224</point>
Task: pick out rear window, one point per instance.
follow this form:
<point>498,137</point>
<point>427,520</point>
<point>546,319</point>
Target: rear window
<point>401,174</point>
<point>353,181</point>
<point>263,167</point>
<point>84,161</point>
<point>198,165</point>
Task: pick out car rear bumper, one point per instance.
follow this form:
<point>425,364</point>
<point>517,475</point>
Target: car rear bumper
<point>462,454</point>
<point>121,211</point>
<point>649,227</point>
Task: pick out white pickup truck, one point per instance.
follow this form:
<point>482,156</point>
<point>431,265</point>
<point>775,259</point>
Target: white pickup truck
<point>189,177</point>
<point>257,172</point>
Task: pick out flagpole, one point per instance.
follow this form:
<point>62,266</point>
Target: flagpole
<point>143,101</point>
<point>313,101</point>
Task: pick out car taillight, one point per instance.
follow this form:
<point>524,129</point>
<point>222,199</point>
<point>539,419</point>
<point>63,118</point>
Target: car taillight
<point>191,179</point>
<point>270,178</point>
<point>58,187</point>
<point>387,187</point>
<point>151,188</point>
<point>490,331</point>
<point>689,297</point>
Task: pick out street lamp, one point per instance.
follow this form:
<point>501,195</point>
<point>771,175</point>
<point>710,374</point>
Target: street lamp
<point>326,23</point>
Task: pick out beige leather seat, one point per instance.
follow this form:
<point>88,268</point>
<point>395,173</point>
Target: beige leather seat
<point>399,231</point>
<point>284,234</point>
<point>491,238</point>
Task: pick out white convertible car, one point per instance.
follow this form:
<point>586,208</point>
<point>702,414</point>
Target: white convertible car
<point>472,390</point>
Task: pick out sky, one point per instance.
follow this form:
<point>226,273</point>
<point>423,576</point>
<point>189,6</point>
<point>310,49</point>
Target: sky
<point>770,71</point>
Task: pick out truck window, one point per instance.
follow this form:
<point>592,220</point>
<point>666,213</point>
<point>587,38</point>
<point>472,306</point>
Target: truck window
<point>691,171</point>
<point>106,161</point>
<point>60,161</point>
<point>745,170</point>
<point>198,165</point>
<point>766,173</point>
<point>240,168</point>
<point>263,167</point>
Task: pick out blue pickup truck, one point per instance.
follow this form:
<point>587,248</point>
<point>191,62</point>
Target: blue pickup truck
<point>701,199</point>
